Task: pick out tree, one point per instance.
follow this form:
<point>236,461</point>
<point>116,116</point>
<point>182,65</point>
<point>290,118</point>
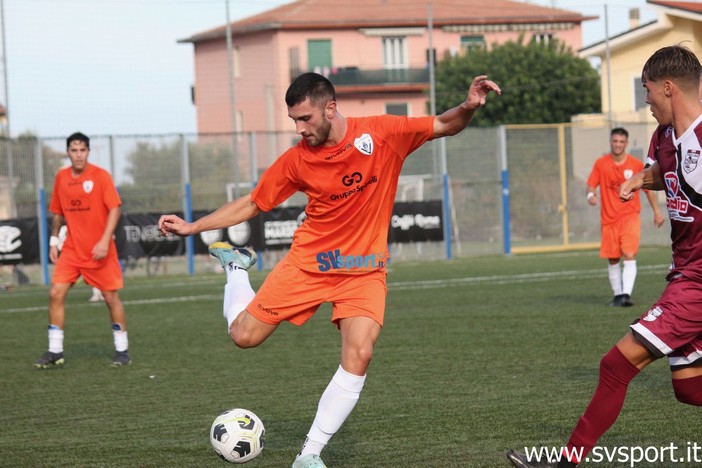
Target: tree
<point>541,83</point>
<point>155,173</point>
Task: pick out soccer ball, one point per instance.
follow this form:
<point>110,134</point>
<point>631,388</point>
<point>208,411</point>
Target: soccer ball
<point>237,435</point>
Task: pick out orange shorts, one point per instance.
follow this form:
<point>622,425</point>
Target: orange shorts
<point>622,236</point>
<point>294,295</point>
<point>106,275</point>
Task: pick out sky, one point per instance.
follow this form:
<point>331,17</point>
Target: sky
<point>115,66</point>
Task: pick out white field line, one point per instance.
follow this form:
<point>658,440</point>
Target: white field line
<point>393,286</point>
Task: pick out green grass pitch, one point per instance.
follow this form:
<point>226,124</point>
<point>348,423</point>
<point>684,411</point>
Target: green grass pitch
<point>477,356</point>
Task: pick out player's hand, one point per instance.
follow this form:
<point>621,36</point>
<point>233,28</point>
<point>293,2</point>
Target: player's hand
<point>172,224</point>
<point>658,219</point>
<point>479,90</point>
<point>631,185</point>
<point>100,250</point>
<point>53,254</point>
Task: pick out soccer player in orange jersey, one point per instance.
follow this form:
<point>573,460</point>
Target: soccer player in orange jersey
<point>85,197</point>
<point>621,222</point>
<point>349,169</point>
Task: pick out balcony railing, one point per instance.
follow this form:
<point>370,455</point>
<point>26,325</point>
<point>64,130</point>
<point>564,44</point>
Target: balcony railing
<point>354,76</point>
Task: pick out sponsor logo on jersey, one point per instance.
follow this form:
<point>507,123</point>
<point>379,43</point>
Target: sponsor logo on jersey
<point>349,181</point>
<point>676,204</point>
<point>364,144</point>
<point>338,153</point>
<point>88,186</point>
<point>690,162</point>
<point>653,314</point>
<point>335,260</point>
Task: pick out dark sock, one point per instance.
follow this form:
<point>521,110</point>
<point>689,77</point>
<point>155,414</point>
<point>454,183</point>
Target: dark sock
<point>615,374</point>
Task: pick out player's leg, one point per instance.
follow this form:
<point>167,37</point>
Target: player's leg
<point>237,290</point>
<point>109,280</point>
<point>245,330</point>
<point>120,335</point>
<point>610,249</point>
<point>358,338</point>
<point>64,276</point>
<point>630,240</point>
<point>57,317</point>
<point>360,322</point>
<point>687,384</point>
<point>686,365</point>
<point>617,368</point>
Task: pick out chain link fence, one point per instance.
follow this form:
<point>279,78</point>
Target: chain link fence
<point>534,202</point>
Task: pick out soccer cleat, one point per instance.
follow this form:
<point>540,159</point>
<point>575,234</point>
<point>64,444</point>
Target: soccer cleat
<point>616,301</point>
<point>49,360</point>
<point>121,359</point>
<point>519,460</point>
<point>626,301</point>
<point>309,461</point>
<point>232,257</point>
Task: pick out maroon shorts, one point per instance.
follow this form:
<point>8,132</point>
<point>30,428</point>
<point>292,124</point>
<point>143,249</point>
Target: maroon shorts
<point>673,326</point>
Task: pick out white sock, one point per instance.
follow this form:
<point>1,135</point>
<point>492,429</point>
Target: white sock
<point>237,294</point>
<point>615,278</point>
<point>120,337</point>
<point>337,402</point>
<point>55,339</point>
<point>628,276</point>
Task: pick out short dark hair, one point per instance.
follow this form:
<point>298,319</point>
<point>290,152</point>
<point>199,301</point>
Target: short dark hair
<point>619,131</point>
<point>675,62</point>
<point>78,137</point>
<point>310,85</point>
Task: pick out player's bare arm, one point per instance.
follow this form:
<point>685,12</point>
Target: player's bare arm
<point>456,119</point>
<point>102,247</point>
<point>229,214</point>
<point>56,223</point>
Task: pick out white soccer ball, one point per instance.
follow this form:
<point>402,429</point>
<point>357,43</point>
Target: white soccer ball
<point>237,435</point>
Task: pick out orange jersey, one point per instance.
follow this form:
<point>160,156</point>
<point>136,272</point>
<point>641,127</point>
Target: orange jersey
<point>350,189</point>
<point>84,202</point>
<point>609,177</point>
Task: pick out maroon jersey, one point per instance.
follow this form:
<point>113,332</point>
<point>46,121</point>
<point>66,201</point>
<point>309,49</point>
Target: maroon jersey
<point>681,170</point>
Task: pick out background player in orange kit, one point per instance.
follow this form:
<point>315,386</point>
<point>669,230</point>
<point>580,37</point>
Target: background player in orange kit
<point>86,198</point>
<point>349,169</point>
<point>620,222</point>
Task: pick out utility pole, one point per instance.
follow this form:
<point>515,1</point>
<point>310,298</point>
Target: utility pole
<point>232,102</point>
<point>8,141</point>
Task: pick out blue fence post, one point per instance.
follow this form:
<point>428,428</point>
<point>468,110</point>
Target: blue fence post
<point>187,203</point>
<point>42,214</point>
<point>504,176</point>
<point>447,216</point>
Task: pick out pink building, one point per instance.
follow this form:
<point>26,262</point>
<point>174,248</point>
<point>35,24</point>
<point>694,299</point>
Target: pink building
<point>374,51</point>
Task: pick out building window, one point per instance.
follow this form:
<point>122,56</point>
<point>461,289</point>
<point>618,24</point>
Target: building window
<point>394,52</point>
<point>319,56</point>
<point>396,108</point>
<point>294,57</point>
<point>542,38</point>
<point>639,94</point>
<point>469,43</point>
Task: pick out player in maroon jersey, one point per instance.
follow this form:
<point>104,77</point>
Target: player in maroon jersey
<point>672,327</point>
